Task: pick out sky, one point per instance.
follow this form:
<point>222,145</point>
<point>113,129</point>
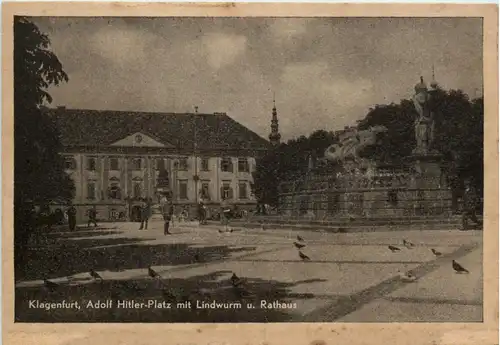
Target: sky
<point>325,73</point>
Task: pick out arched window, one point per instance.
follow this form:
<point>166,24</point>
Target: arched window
<point>91,163</point>
<point>392,197</point>
<point>137,189</point>
<point>226,191</point>
<point>160,164</point>
<point>69,163</point>
<point>205,190</point>
<point>243,165</point>
<point>136,163</point>
<point>114,191</point>
<point>114,164</point>
<point>91,190</point>
<point>226,164</point>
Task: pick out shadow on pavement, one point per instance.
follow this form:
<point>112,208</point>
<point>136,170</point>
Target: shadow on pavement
<point>66,256</point>
<point>214,286</point>
<point>88,233</point>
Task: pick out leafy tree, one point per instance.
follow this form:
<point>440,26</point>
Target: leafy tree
<point>267,177</point>
<point>39,175</point>
<point>287,162</point>
<point>399,140</point>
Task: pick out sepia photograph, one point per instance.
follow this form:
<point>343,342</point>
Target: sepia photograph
<point>248,169</point>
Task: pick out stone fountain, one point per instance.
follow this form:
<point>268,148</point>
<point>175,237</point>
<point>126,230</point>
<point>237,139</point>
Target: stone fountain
<point>366,188</point>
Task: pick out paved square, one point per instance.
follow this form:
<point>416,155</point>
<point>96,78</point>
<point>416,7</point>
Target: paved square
<point>349,277</point>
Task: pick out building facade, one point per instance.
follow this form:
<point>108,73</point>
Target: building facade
<point>116,159</point>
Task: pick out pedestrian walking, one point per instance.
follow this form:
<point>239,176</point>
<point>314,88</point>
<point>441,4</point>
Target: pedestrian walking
<point>225,213</point>
<point>92,213</point>
<point>469,206</point>
<point>167,211</point>
<point>71,212</point>
<point>145,213</point>
<point>201,213</point>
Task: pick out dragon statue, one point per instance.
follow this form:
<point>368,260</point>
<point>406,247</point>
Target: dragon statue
<point>351,143</point>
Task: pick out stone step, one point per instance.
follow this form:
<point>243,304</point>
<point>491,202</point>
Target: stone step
<point>355,218</point>
<point>342,223</point>
<point>339,229</point>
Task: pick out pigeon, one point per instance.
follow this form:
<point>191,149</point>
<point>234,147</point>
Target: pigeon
<point>303,256</point>
<point>435,252</point>
<point>196,257</point>
<point>172,295</point>
<point>458,268</point>
<point>300,239</point>
<point>298,245</point>
<point>95,275</point>
<point>221,231</point>
<point>394,249</point>
<point>50,285</point>
<point>407,277</point>
<point>152,273</point>
<point>231,229</point>
<point>235,281</point>
<point>408,244</point>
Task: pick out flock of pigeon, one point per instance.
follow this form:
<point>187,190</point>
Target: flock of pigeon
<point>238,284</point>
<point>408,276</point>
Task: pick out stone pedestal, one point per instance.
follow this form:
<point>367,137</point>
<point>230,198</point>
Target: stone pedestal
<point>432,195</point>
<point>428,170</point>
<point>161,191</point>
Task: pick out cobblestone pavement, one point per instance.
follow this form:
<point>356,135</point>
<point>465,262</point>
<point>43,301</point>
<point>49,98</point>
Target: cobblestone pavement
<point>351,277</point>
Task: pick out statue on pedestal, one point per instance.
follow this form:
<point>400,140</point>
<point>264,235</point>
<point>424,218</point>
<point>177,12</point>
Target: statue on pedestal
<point>424,124</point>
<point>163,184</point>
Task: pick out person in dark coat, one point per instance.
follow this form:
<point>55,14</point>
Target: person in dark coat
<point>470,205</point>
<point>225,212</point>
<point>145,213</point>
<point>71,212</point>
<point>167,209</point>
<point>201,213</point>
<point>92,217</point>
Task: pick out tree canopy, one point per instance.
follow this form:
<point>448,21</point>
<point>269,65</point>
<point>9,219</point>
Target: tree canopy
<point>39,174</point>
<point>458,136</point>
<point>288,161</point>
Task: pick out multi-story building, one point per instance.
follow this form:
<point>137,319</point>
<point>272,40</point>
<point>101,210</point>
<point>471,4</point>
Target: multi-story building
<point>116,158</point>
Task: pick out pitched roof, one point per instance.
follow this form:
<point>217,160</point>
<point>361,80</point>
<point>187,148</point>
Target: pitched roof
<point>80,127</point>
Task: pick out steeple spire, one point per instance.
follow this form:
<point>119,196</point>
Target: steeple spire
<point>275,136</point>
<point>434,83</point>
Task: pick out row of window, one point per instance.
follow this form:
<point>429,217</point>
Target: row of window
<point>226,191</point>
<point>181,164</point>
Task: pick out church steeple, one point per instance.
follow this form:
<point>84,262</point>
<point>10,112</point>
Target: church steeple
<point>434,84</point>
<point>275,136</point>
